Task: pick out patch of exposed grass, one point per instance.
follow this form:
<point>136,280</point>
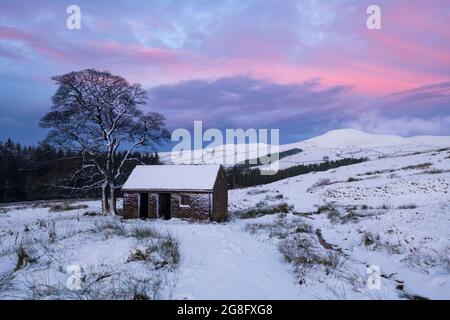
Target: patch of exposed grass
<point>320,183</point>
<point>67,207</point>
<point>109,227</point>
<point>327,207</point>
<point>91,214</point>
<point>434,171</point>
<point>280,228</point>
<point>425,165</point>
<point>408,206</point>
<point>260,211</point>
<point>377,172</point>
<point>144,231</point>
<point>351,216</point>
<point>256,192</point>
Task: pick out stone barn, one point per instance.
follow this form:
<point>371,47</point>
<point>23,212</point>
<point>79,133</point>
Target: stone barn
<point>176,191</point>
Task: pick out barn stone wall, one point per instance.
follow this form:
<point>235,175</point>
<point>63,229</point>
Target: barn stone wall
<point>130,205</point>
<point>220,198</point>
<point>198,209</point>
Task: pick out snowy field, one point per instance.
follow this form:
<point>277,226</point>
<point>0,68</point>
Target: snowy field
<point>308,237</point>
<point>393,213</point>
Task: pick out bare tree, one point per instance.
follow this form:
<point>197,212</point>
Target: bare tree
<point>96,113</point>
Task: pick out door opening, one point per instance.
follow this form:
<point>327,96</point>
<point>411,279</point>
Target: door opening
<point>164,205</point>
<point>143,206</point>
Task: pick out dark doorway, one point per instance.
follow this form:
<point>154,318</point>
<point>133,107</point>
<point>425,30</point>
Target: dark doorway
<point>164,205</point>
<point>143,206</point>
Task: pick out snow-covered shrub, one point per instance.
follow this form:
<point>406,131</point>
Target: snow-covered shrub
<point>369,238</point>
<point>168,249</point>
<point>161,252</point>
<point>98,282</point>
<point>332,259</point>
<point>351,216</point>
<point>327,207</point>
<point>374,241</point>
<point>422,260</point>
<point>299,251</point>
<point>137,254</point>
<point>304,254</point>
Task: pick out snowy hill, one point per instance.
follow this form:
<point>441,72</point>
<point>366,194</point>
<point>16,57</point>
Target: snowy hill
<point>336,144</point>
<point>351,143</point>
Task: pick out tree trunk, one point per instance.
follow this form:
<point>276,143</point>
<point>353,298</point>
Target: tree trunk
<point>105,204</point>
<point>108,200</point>
<point>112,200</point>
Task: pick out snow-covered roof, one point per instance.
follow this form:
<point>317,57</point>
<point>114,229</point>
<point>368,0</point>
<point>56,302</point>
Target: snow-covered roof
<point>173,177</point>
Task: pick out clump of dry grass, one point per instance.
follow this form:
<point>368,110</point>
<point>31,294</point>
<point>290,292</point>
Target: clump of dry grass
<point>263,209</point>
<point>98,282</point>
<point>162,252</point>
<point>109,227</point>
<point>303,254</point>
<point>144,231</point>
<point>280,228</point>
<point>24,256</point>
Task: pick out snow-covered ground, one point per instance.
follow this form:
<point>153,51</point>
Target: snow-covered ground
<point>391,213</point>
<point>218,261</point>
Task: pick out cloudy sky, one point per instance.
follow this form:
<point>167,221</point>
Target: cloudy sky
<point>303,66</point>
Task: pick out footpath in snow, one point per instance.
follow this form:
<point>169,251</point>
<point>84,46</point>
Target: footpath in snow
<point>220,261</point>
